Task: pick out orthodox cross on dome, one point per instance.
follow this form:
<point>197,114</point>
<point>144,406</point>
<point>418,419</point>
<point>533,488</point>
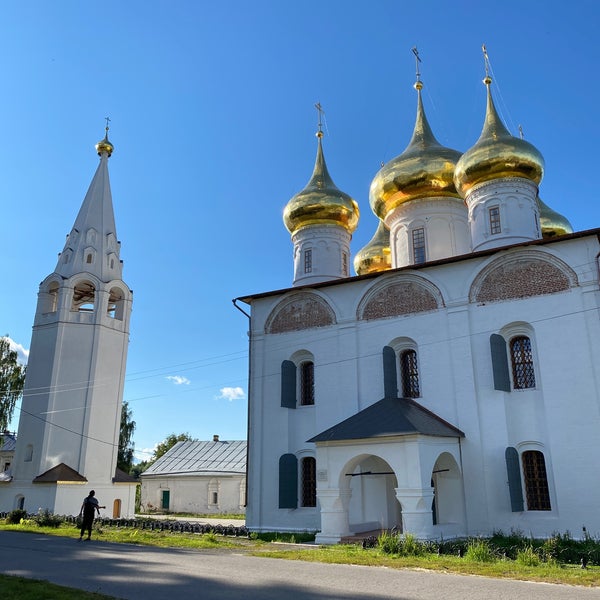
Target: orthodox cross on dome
<point>107,119</point>
<point>417,61</point>
<point>320,112</point>
<point>486,60</point>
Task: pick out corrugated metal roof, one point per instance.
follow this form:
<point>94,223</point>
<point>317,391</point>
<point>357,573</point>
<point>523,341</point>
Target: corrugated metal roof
<point>8,442</point>
<point>201,458</point>
<point>389,417</point>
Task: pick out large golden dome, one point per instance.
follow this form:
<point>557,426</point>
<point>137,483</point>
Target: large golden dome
<point>376,255</point>
<point>424,170</point>
<point>321,202</point>
<point>552,223</point>
<point>497,154</point>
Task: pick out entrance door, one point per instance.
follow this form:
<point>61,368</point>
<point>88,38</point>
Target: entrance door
<point>117,509</point>
<point>166,496</point>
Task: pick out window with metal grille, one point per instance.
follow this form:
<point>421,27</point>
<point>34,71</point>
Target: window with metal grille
<point>522,363</point>
<point>309,482</point>
<point>409,372</point>
<point>344,263</point>
<point>308,260</point>
<point>418,242</point>
<point>307,383</point>
<point>536,481</point>
<point>494,213</point>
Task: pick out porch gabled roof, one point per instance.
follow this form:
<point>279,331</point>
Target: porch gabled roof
<point>60,472</point>
<point>387,418</point>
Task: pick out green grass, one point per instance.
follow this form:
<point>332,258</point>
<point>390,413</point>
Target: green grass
<point>356,555</point>
<point>17,588</point>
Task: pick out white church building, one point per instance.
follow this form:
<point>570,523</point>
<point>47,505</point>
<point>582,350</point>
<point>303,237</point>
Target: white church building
<point>452,387</point>
<point>69,425</point>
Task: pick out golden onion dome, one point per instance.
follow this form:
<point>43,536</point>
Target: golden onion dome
<point>497,154</point>
<point>104,145</point>
<point>376,255</point>
<point>552,223</point>
<point>424,170</point>
<point>321,202</point>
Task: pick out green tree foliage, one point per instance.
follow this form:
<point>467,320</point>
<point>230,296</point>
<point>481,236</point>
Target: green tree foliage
<point>12,378</point>
<point>168,443</point>
<point>137,469</point>
<point>126,446</point>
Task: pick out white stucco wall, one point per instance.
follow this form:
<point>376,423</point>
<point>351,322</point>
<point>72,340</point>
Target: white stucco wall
<point>560,417</point>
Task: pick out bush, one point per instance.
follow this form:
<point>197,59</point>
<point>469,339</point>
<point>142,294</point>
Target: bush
<point>403,545</point>
<point>528,557</point>
<point>480,551</point>
<point>45,518</point>
<point>14,517</point>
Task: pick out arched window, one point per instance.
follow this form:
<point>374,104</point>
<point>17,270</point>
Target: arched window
<point>116,303</point>
<point>309,481</point>
<point>409,373</point>
<point>29,453</point>
<point>307,383</point>
<point>536,480</point>
<point>298,380</point>
<point>521,358</point>
<point>84,297</point>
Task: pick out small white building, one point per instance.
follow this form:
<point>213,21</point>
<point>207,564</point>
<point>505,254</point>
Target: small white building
<point>450,389</point>
<point>197,477</point>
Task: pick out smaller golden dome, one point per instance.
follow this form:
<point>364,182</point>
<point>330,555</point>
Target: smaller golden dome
<point>376,255</point>
<point>497,154</point>
<point>552,223</point>
<point>424,170</point>
<point>104,145</point>
<point>321,202</point>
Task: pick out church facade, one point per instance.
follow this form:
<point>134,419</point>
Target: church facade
<point>69,426</point>
<point>449,389</point>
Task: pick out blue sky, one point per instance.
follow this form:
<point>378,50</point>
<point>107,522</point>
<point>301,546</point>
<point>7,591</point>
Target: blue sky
<point>213,121</point>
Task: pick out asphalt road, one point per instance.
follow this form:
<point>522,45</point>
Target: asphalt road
<point>142,573</point>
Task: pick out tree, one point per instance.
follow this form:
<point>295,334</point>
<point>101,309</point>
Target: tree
<point>168,443</point>
<point>126,445</point>
<point>12,379</point>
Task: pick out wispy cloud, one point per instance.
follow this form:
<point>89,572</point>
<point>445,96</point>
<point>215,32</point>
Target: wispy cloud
<point>143,454</point>
<point>232,393</point>
<point>22,352</point>
<point>178,379</point>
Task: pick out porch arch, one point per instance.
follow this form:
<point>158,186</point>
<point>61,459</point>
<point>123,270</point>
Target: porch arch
<point>371,484</point>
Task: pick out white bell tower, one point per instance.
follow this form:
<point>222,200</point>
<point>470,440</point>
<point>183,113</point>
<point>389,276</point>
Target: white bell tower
<point>71,409</point>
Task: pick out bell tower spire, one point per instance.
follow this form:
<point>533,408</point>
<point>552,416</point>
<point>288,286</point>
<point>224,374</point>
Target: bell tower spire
<point>72,400</point>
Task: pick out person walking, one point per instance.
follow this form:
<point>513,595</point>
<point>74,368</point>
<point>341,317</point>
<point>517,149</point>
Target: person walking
<point>88,509</point>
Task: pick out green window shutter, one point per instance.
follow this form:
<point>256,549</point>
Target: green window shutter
<point>288,481</point>
<point>288,384</point>
<point>515,488</point>
<point>499,363</point>
<point>390,378</point>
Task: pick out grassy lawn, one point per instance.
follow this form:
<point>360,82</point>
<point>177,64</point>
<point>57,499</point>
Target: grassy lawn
<point>17,588</point>
<point>490,566</point>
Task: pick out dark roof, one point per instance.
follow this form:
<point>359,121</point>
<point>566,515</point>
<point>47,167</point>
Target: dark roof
<point>247,299</point>
<point>201,458</point>
<point>60,472</point>
<point>122,477</point>
<point>388,418</point>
